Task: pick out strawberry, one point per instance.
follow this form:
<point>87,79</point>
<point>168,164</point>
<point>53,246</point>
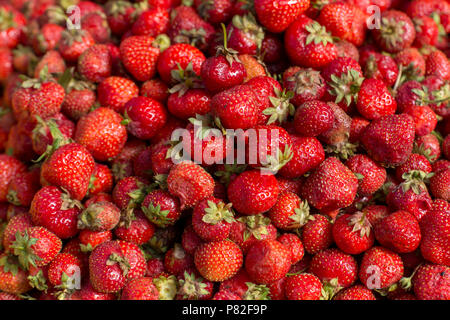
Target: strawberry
<point>16,225</point>
<point>373,175</point>
<point>396,31</point>
<point>87,292</point>
<point>194,288</point>
<point>214,12</point>
<point>119,15</point>
<point>177,261</point>
<point>317,234</point>
<point>58,170</point>
<point>313,118</point>
<point>36,246</point>
<point>140,289</point>
<point>431,282</point>
<point>440,185</point>
<point>253,67</point>
<point>428,146</point>
<point>345,21</point>
<point>78,103</point>
<point>437,64</point>
<point>294,245</point>
<point>225,295</point>
<point>218,261</point>
<point>91,239</point>
<point>12,278</point>
<point>331,186</point>
<point>11,29</point>
<point>129,192</point>
<point>56,211</point>
<point>303,286</point>
<point>161,208</point>
<point>267,261</point>
<point>99,216</point>
<point>308,43</point>
<point>427,31</point>
<point>190,240</point>
<point>95,63</point>
<point>185,105</point>
<point>138,231</point>
<point>63,273</point>
<point>114,92</point>
<point>380,268</point>
<point>307,84</point>
<point>211,219</point>
<point>22,188</point>
<point>152,22</point>
<point>424,119</point>
<point>102,133</point>
<point>356,292</point>
<point>435,236</point>
<point>96,24</point>
<point>289,212</point>
<point>190,182</point>
<point>73,43</point>
<point>411,62</point>
<point>101,180</point>
<point>379,66</point>
<point>155,267</point>
<point>6,67</point>
<point>374,100</point>
<point>276,16</point>
<point>389,140</point>
<point>353,233</point>
<point>332,264</point>
<point>245,34</point>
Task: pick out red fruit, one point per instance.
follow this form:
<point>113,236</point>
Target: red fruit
<point>380,268</point>
<point>307,84</point>
<point>6,67</point>
<point>399,232</point>
<point>55,211</point>
<point>332,264</point>
<point>114,92</point>
<point>373,175</point>
<point>73,43</point>
<point>414,162</point>
<point>161,208</point>
<point>353,233</point>
<point>95,63</point>
<point>313,118</point>
<point>140,289</point>
<point>294,245</point>
<point>12,278</point>
<point>431,282</point>
<point>218,261</point>
<point>379,66</point>
<point>18,223</point>
<point>155,89</point>
<point>412,62</point>
<point>440,185</point>
<point>389,140</point>
<point>267,261</point>
<point>190,183</point>
<point>129,192</point>
<point>155,267</point>
<point>78,103</point>
<point>138,231</point>
<point>177,261</point>
<point>211,219</point>
<point>303,286</point>
<point>87,292</point>
<point>289,212</point>
<point>99,216</point>
<point>194,288</point>
<point>308,44</point>
<point>277,15</point>
<point>63,272</point>
<point>22,188</point>
<point>374,100</point>
<point>317,234</point>
<point>11,30</point>
<point>151,22</point>
<point>424,119</point>
<point>36,246</point>
<point>102,133</point>
<point>427,31</point>
<point>216,11</point>
<point>356,292</point>
<point>91,239</point>
<point>437,64</point>
<point>101,180</point>
<point>226,295</point>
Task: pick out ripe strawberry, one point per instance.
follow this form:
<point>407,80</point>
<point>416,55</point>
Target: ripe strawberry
<point>389,140</point>
<point>424,119</point>
<point>211,219</point>
<point>73,43</point>
<point>437,64</point>
<point>374,100</point>
<point>428,146</point>
<point>245,34</point>
<point>138,231</point>
<point>12,278</point>
<point>411,62</point>
<point>155,89</point>
<point>435,236</point>
<point>96,24</point>
<point>11,29</point>
<point>91,239</point>
<point>177,261</point>
<point>102,133</point>
<point>345,21</point>
<point>6,67</point>
<point>114,92</point>
<point>59,171</point>
<point>140,289</point>
<point>216,11</point>
<point>396,31</point>
<point>276,16</point>
<point>289,212</point>
<point>303,286</point>
<point>332,264</point>
<point>307,84</point>
<point>331,186</point>
<point>294,245</point>
<point>194,288</point>
<point>431,282</point>
<point>440,185</point>
<point>152,22</point>
<point>427,31</point>
<point>95,63</point>
<point>317,234</point>
<point>225,295</point>
<point>379,66</point>
<point>356,292</point>
<point>16,224</point>
<point>218,261</point>
<point>380,268</point>
<point>129,192</point>
<point>161,208</point>
<point>63,272</point>
<point>101,180</point>
<point>22,188</point>
<point>99,216</point>
<point>190,183</point>
<point>190,240</point>
<point>253,67</point>
<point>373,175</point>
<point>308,44</point>
<point>188,104</point>
<point>56,211</point>
<point>353,233</point>
<point>87,292</point>
<point>313,118</point>
<point>78,102</point>
<point>267,261</point>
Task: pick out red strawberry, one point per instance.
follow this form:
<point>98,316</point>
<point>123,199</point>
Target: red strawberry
<point>96,24</point>
<point>425,119</point>
<point>73,43</point>
<point>411,62</point>
<point>177,261</point>
<point>276,16</point>
<point>307,84</point>
<point>313,118</point>
<point>373,175</point>
<point>289,212</point>
<point>138,231</point>
<point>374,100</point>
<point>303,286</point>
<point>140,289</point>
<point>267,261</point>
<point>99,216</point>
<point>414,162</point>
<point>245,34</point>
<point>437,64</point>
<point>64,273</point>
<point>380,268</point>
<point>190,240</point>
<point>22,188</point>
<point>440,185</point>
<point>151,22</point>
<point>95,63</point>
<point>161,208</point>
<point>155,89</point>
<point>294,245</point>
<point>356,292</point>
<point>216,11</point>
<point>91,239</point>
<point>431,282</point>
<point>427,31</point>
<point>353,233</point>
<point>16,224</point>
<point>12,278</point>
<point>379,66</point>
<point>78,103</point>
<point>317,234</point>
<point>113,92</point>
<point>101,180</point>
<point>218,261</point>
<point>389,140</point>
<point>102,133</point>
<point>194,288</point>
<point>87,292</point>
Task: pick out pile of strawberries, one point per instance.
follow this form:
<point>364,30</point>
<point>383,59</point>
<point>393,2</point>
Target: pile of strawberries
<point>351,204</point>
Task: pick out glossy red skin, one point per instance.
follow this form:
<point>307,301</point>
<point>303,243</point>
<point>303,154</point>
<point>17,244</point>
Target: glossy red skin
<point>431,282</point>
<point>236,284</point>
<point>18,223</point>
<point>95,63</point>
<point>158,163</point>
<point>317,234</point>
<point>77,103</point>
<point>24,187</point>
<point>272,48</point>
<point>239,230</point>
<point>190,240</point>
<point>313,118</point>
<point>374,174</point>
<point>97,25</point>
<point>177,261</point>
<point>253,192</point>
<point>179,53</point>
<point>276,16</point>
<point>102,133</point>
<point>440,185</point>
<point>225,295</point>
<point>120,22</point>
<point>46,210</point>
<point>311,55</point>
<point>139,232</point>
<point>188,105</point>
<point>219,11</point>
<point>13,283</point>
<point>46,247</point>
<point>293,243</point>
<point>264,87</point>
<point>209,232</point>
<point>374,100</point>
<point>382,260</point>
<point>437,64</point>
<point>107,215</point>
<point>63,263</point>
<point>349,241</point>
<point>72,51</point>
<point>155,267</point>
<point>356,292</point>
<point>267,261</point>
<point>436,83</point>
<point>103,180</point>
<point>405,95</point>
<point>219,75</point>
<point>414,162</point>
<point>114,92</point>
<point>125,186</point>
<point>283,209</point>
<point>379,66</point>
<point>417,204</point>
<point>303,286</point>
<point>151,22</point>
<point>10,36</point>
<point>155,89</point>
<point>87,292</point>
<point>94,238</point>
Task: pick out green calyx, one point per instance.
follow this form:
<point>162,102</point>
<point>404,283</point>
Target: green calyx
<point>229,170</point>
<point>67,286</point>
<point>10,264</point>
<point>44,76</point>
<point>318,34</point>
<point>156,215</point>
<point>56,15</point>
<point>119,7</point>
<point>307,81</point>
<point>192,288</point>
<point>415,180</point>
<point>186,78</point>
<point>248,24</point>
<point>301,215</point>
<point>167,287</point>
<point>162,41</point>
<point>256,226</point>
<point>230,54</point>
<point>330,289</point>
<point>13,198</point>
<point>68,202</point>
<point>360,224</point>
<point>123,263</point>
<point>194,37</point>
<point>392,31</point>
<point>346,87</point>
<point>281,106</point>
<point>256,292</point>
<point>88,217</point>
<point>73,34</point>
<point>6,19</point>
<point>22,248</point>
<point>426,152</point>
<point>38,281</point>
<point>275,162</point>
<point>218,212</point>
<point>343,150</point>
